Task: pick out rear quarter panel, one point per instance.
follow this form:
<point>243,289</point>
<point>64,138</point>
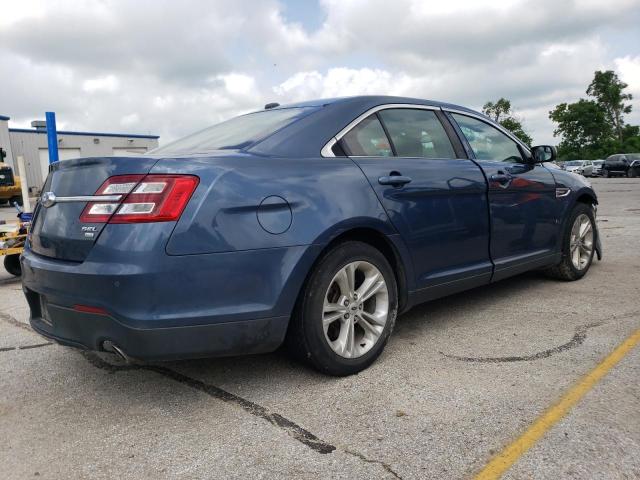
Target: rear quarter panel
<point>320,198</point>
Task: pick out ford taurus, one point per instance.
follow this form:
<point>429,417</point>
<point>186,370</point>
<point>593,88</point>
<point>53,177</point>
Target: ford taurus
<point>311,224</point>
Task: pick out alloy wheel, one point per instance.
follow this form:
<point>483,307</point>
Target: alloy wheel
<point>581,242</point>
<point>355,310</point>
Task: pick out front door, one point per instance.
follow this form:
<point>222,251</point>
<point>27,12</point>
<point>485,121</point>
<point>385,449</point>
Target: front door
<point>522,198</point>
<point>436,201</point>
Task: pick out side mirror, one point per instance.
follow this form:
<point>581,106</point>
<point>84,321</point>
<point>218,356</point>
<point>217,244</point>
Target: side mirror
<point>544,153</point>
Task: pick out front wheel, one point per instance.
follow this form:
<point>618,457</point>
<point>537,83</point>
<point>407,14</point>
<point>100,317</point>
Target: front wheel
<point>605,173</point>
<point>578,245</point>
<point>346,312</point>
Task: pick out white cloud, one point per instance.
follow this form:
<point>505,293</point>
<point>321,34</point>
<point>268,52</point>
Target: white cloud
<point>133,119</point>
<point>338,82</point>
<point>108,83</point>
<point>628,68</point>
<point>173,67</point>
<point>238,84</point>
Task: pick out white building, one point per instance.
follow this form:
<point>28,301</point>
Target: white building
<point>32,145</point>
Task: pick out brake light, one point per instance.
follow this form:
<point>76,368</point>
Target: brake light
<point>144,198</point>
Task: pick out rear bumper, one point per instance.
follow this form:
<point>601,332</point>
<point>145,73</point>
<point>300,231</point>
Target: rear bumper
<point>89,331</point>
<point>168,307</point>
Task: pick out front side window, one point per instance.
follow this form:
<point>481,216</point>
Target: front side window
<point>486,141</point>
<point>367,139</point>
<point>417,133</point>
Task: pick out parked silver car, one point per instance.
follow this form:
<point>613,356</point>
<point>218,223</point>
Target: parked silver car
<point>597,167</point>
<point>582,167</point>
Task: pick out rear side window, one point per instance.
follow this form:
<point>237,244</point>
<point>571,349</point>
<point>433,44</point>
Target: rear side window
<point>417,133</point>
<point>237,133</point>
<point>487,142</point>
<point>367,139</point>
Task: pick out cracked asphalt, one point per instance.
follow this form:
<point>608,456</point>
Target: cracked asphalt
<point>461,378</point>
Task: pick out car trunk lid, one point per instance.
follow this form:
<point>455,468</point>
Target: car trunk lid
<point>57,231</point>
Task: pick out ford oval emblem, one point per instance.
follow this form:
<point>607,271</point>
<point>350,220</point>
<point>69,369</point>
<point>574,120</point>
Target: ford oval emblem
<point>48,199</point>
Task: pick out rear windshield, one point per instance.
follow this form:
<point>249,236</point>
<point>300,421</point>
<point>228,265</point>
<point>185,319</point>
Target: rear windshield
<point>236,133</point>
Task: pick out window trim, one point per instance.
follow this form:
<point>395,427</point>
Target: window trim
<point>386,132</point>
<point>328,153</point>
<point>345,148</point>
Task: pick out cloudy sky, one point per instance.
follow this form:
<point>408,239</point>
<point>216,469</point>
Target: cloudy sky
<point>171,67</point>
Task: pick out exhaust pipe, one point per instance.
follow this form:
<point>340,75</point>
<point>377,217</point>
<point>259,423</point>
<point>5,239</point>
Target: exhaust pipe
<point>111,347</point>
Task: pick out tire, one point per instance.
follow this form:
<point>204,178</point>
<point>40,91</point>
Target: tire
<point>567,269</point>
<point>17,199</point>
<point>631,173</point>
<point>605,173</point>
<point>12,265</point>
<point>316,339</point>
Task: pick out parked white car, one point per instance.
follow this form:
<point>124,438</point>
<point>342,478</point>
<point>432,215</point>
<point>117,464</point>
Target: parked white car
<point>597,167</point>
<point>582,167</point>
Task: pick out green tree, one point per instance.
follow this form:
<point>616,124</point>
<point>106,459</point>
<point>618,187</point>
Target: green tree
<point>500,112</point>
<point>608,91</point>
<point>583,127</point>
<point>595,128</point>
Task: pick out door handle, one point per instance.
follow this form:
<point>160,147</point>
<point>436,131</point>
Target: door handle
<point>501,178</point>
<point>394,179</point>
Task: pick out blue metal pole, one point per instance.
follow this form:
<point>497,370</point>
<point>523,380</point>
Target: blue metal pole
<point>52,137</point>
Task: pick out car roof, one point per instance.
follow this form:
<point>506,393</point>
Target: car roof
<point>307,136</point>
<point>374,100</point>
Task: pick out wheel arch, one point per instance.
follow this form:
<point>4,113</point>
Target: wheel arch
<point>587,197</point>
<point>383,243</point>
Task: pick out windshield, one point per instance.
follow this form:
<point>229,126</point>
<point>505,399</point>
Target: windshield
<point>598,162</point>
<point>236,133</point>
<point>574,163</point>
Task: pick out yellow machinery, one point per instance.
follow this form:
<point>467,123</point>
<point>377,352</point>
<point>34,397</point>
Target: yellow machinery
<point>10,186</point>
<point>12,238</point>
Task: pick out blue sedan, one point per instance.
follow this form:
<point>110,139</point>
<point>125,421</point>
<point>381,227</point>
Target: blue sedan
<point>311,224</point>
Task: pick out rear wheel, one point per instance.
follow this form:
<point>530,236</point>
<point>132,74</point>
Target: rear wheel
<point>578,245</point>
<point>346,312</point>
<point>12,264</point>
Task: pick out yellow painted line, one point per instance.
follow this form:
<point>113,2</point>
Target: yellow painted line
<point>505,459</point>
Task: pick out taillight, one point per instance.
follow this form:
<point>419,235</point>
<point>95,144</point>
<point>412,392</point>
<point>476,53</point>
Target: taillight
<point>144,198</point>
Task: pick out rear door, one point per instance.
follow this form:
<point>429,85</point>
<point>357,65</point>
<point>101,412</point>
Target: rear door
<point>436,201</point>
<point>525,224</point>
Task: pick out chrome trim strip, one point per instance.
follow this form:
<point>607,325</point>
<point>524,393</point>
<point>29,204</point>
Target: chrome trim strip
<point>89,198</point>
<point>49,199</point>
<point>326,150</point>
